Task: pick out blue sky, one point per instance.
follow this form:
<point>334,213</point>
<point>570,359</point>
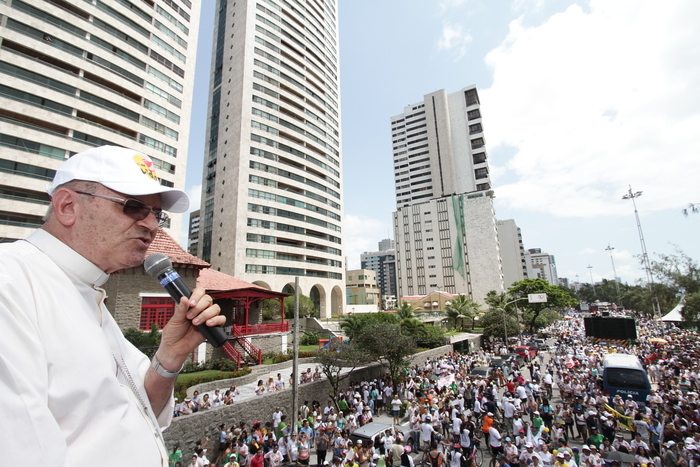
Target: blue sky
<point>580,100</point>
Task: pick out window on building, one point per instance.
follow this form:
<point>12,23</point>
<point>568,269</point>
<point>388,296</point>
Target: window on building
<point>479,157</point>
<point>481,173</point>
<point>473,114</point>
<point>477,143</point>
<point>156,310</point>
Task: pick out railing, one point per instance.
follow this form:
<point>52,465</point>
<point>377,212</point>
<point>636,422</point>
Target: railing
<point>253,351</point>
<point>250,329</point>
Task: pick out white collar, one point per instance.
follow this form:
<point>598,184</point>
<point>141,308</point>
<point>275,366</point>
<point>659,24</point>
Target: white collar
<point>67,258</point>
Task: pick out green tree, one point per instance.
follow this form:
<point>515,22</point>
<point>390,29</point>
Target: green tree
<point>146,342</point>
<point>386,342</point>
<point>334,360</point>
<point>462,308</point>
<point>557,298</point>
<point>271,308</point>
<point>406,310</point>
<point>691,310</point>
<point>425,335</point>
<point>493,324</point>
<point>355,326</point>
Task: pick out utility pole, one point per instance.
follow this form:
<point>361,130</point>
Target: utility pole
<point>295,360</point>
<point>645,257</point>
<point>617,284</point>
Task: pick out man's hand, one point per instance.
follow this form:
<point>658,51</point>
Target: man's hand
<point>181,336</point>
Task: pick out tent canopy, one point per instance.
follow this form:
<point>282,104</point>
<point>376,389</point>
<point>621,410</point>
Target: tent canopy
<point>674,316</point>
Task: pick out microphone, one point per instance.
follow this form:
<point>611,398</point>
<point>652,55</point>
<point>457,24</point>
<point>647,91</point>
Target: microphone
<point>159,266</point>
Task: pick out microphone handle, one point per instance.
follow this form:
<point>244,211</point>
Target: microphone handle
<point>177,288</point>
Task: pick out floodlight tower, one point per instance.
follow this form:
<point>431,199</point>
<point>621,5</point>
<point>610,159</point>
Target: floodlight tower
<point>645,257</point>
<point>617,284</point>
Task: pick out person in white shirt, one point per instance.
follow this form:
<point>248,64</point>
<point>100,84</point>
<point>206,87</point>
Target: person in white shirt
<point>78,384</point>
<point>274,458</point>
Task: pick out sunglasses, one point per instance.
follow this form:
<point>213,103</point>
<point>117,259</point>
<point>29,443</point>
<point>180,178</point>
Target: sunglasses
<point>137,210</point>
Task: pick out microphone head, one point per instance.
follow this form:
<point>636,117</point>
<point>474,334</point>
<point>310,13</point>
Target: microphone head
<point>156,264</point>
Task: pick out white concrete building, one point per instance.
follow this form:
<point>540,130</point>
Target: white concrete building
<point>448,244</point>
<point>445,226</point>
<point>510,241</point>
<point>271,190</point>
<point>74,75</point>
<point>541,266</point>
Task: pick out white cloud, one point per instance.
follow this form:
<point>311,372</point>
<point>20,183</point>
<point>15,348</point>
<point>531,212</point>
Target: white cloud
<point>595,100</point>
<point>362,234</point>
<point>454,40</point>
<point>195,194</point>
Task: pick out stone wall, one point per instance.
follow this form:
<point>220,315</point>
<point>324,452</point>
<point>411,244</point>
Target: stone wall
<point>188,429</point>
<point>124,290</point>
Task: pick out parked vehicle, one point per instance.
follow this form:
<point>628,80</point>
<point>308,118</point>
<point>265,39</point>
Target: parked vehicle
<point>373,430</point>
<point>482,371</point>
<point>525,351</point>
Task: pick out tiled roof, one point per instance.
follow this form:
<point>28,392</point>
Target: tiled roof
<point>164,243</point>
<point>212,281</point>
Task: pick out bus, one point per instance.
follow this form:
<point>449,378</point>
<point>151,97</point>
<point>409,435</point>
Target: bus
<point>624,374</point>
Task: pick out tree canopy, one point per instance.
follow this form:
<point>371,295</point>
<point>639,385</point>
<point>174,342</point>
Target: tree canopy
<point>557,298</point>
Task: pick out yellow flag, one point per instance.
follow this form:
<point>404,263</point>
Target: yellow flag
<point>624,420</point>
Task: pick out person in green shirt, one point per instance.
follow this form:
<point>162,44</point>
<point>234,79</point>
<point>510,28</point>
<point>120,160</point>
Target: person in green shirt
<point>281,427</point>
<point>343,405</point>
<point>175,455</point>
<point>596,439</point>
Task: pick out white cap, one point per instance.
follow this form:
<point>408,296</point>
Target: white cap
<point>120,169</point>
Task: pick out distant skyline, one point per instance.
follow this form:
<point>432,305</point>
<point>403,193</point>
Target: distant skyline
<point>580,100</point>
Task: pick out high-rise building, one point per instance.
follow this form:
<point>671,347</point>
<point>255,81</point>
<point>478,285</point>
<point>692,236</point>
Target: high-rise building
<point>271,193</point>
<point>74,75</point>
<point>510,242</point>
<point>444,226</point>
<point>193,233</point>
<point>541,266</point>
<point>383,263</point>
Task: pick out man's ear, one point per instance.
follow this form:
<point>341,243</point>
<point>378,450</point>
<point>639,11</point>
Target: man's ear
<point>66,206</point>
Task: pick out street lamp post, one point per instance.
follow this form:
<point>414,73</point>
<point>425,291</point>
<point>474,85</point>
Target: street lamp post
<point>505,327</point>
<point>645,257</point>
<point>590,270</point>
<point>617,284</point>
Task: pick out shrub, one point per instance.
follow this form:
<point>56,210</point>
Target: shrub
<point>310,338</point>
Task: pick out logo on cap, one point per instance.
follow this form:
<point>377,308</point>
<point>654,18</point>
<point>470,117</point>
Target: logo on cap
<point>146,167</point>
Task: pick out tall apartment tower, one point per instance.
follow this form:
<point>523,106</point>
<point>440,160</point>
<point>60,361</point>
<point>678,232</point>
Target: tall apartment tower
<point>445,225</point>
<point>383,263</point>
<point>271,191</point>
<point>75,75</point>
<point>510,241</point>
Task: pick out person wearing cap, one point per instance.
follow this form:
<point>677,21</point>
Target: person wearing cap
<point>620,444</point>
<point>569,459</point>
<point>525,457</point>
<point>78,384</point>
<point>510,451</point>
<point>671,458</point>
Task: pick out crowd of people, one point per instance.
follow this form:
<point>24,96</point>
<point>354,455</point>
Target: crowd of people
<point>548,411</point>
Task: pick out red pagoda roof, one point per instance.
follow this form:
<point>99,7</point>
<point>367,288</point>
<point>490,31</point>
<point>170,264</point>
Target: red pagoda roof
<point>164,243</point>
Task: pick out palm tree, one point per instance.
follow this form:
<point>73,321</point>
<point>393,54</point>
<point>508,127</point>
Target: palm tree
<point>406,311</point>
<point>462,307</point>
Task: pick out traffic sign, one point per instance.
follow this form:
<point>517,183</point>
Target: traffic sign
<point>537,298</point>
